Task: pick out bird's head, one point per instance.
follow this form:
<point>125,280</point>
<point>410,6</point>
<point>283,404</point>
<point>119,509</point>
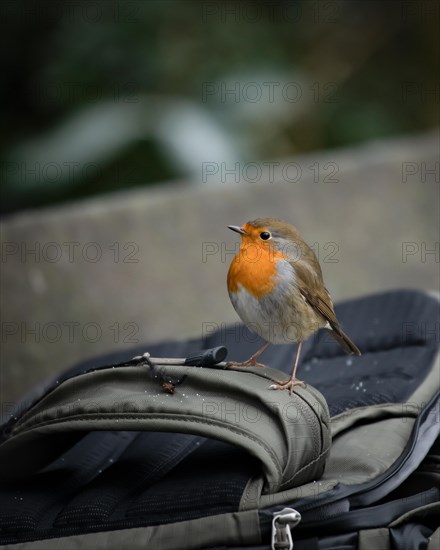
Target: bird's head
<point>270,233</point>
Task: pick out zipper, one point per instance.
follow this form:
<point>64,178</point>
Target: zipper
<point>282,524</point>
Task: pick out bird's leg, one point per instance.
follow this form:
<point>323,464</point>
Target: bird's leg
<point>252,361</point>
<point>292,381</point>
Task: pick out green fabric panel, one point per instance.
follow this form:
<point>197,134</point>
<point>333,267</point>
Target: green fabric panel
<point>434,540</point>
<point>347,421</point>
<point>357,456</point>
<point>236,529</point>
<point>365,443</point>
<point>374,539</point>
<point>432,509</point>
<point>429,386</point>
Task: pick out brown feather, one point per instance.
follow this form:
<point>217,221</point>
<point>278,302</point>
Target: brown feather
<point>311,286</point>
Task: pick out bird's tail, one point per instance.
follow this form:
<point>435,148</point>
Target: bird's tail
<point>348,345</point>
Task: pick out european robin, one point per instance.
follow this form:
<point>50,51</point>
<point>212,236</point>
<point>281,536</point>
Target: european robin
<point>275,284</point>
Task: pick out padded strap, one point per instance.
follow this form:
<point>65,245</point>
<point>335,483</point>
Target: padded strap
<point>288,434</point>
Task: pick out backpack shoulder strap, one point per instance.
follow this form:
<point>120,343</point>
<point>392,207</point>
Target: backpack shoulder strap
<point>290,435</point>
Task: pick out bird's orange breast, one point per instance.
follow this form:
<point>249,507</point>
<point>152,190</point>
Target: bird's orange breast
<point>254,268</point>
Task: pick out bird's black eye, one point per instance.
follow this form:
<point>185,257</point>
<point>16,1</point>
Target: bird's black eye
<point>265,235</point>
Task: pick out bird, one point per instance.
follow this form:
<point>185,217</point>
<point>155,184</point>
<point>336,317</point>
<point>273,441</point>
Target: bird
<point>276,286</point>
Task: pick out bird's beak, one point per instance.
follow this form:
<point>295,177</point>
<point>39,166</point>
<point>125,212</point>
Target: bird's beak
<point>237,229</point>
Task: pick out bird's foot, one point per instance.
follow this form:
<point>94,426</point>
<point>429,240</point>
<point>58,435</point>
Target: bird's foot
<point>287,385</point>
<point>251,362</point>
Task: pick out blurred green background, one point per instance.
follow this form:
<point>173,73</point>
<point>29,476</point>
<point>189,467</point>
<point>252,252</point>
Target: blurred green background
<point>108,94</point>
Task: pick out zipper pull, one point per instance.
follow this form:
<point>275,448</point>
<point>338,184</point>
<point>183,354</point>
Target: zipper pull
<point>282,523</point>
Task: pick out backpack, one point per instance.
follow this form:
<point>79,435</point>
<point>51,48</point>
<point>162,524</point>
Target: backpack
<point>172,450</point>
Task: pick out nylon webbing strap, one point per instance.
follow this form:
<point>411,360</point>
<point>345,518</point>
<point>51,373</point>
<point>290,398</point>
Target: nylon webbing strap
<point>288,434</point>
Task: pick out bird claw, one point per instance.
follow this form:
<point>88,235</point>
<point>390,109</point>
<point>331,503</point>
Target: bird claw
<point>287,385</point>
<point>248,363</point>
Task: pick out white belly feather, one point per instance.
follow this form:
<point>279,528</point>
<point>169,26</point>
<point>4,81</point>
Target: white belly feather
<point>274,316</point>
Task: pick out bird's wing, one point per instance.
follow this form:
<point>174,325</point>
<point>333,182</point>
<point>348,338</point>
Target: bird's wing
<point>311,285</point>
<point>320,301</point>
